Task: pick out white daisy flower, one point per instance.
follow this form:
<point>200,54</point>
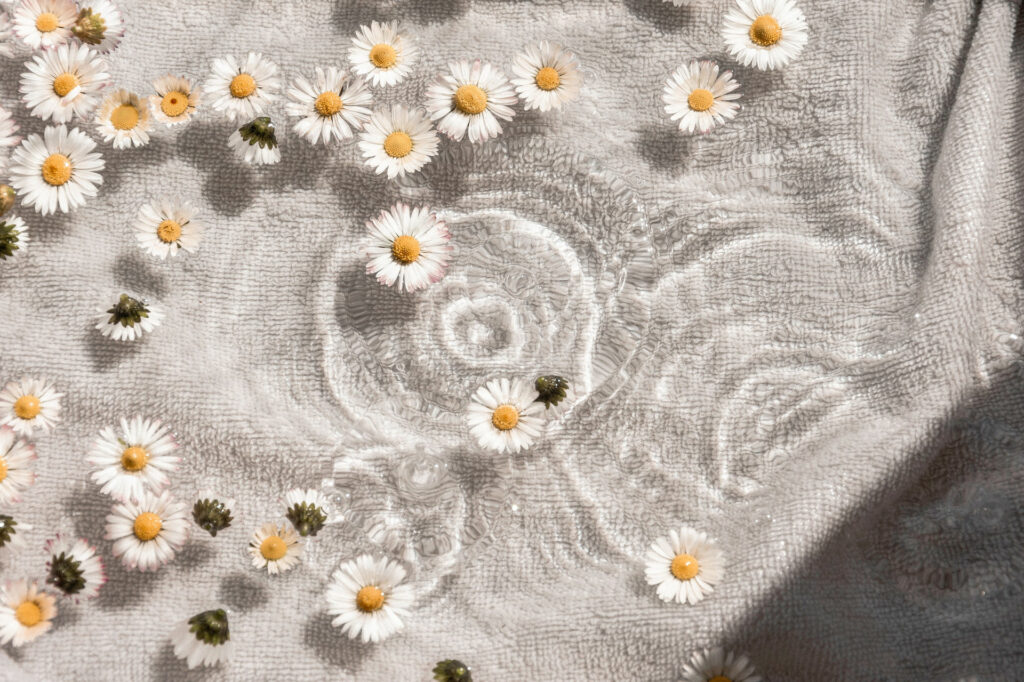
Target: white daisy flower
<point>7,128</point>
<point>277,548</point>
<point>334,105</point>
<point>256,143</point>
<point>175,100</point>
<point>717,665</point>
<point>124,120</point>
<point>59,169</point>
<point>136,460</point>
<point>203,639</point>
<point>44,23</point>
<point>5,35</point>
<point>13,236</point>
<point>212,512</point>
<point>307,510</point>
<point>699,97</point>
<point>12,534</point>
<point>368,598</point>
<point>685,566</point>
<point>382,53</point>
<point>148,532</point>
<point>505,415</point>
<point>398,141</point>
<point>129,319</point>
<point>28,405</point>
<point>767,34</point>
<point>63,83</point>
<point>15,459</point>
<point>165,227</point>
<point>25,612</point>
<point>74,567</point>
<point>242,90</point>
<point>546,76</point>
<point>99,24</point>
<point>409,246</point>
<point>471,99</point>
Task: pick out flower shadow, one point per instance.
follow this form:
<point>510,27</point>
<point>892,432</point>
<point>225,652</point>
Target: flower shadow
<point>331,645</point>
<point>167,668</point>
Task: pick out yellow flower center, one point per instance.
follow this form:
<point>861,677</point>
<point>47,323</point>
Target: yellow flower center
<point>3,469</point>
<point>405,249</point>
<point>383,56</point>
<point>134,458</point>
<point>47,22</point>
<point>242,86</point>
<point>124,117</point>
<point>397,144</point>
<point>470,99</point>
<point>685,567</point>
<point>174,103</point>
<point>28,614</point>
<point>56,171</point>
<point>765,31</point>
<point>273,548</point>
<point>169,231</point>
<point>65,83</point>
<point>328,103</point>
<point>700,99</point>
<point>548,79</point>
<point>27,407</point>
<point>369,598</point>
<point>505,418</point>
<point>720,678</point>
<point>147,526</point>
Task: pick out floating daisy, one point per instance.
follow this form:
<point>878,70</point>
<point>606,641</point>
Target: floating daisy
<point>129,319</point>
<point>175,100</point>
<point>15,475</point>
<point>306,510</point>
<point>58,170</point>
<point>256,143</point>
<point>165,227</point>
<point>546,76</point>
<point>212,512</point>
<point>471,99</point>
<point>203,639</point>
<point>123,120</point>
<point>74,567</point>
<point>44,23</point>
<point>717,665</point>
<point>685,566</point>
<point>25,612</point>
<point>11,533</point>
<point>382,53</point>
<point>99,24</point>
<point>8,128</point>
<point>128,464</point>
<point>699,97</point>
<point>277,548</point>
<point>148,532</point>
<point>334,105</point>
<point>408,246</point>
<point>398,141</point>
<point>765,33</point>
<point>452,671</point>
<point>368,598</point>
<point>63,83</point>
<point>13,236</point>
<point>28,405</point>
<point>242,90</point>
<point>505,415</point>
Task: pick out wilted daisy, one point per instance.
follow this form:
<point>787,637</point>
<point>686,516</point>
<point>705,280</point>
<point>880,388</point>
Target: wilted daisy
<point>717,665</point>
<point>124,120</point>
<point>137,459</point>
<point>28,405</point>
<point>765,33</point>
<point>129,319</point>
<point>277,548</point>
<point>148,532</point>
<point>44,23</point>
<point>685,566</point>
<point>546,76</point>
<point>59,169</point>
<point>505,415</point>
<point>13,236</point>
<point>382,53</point>
<point>74,567</point>
<point>212,512</point>
<point>471,99</point>
<point>203,639</point>
<point>8,128</point>
<point>699,97</point>
<point>99,24</point>
<point>408,246</point>
<point>333,106</point>
<point>306,509</point>
<point>175,100</point>
<point>398,141</point>
<point>368,598</point>
<point>256,143</point>
<point>11,533</point>
<point>63,83</point>
<point>25,612</point>
<point>15,460</point>
<point>166,226</point>
<point>242,90</point>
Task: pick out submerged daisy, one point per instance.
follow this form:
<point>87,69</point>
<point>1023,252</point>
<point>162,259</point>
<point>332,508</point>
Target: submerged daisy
<point>63,83</point>
<point>277,548</point>
<point>147,532</point>
<point>306,510</point>
<point>505,415</point>
<point>8,128</point>
<point>256,143</point>
<point>368,598</point>
<point>58,170</point>
<point>717,665</point>
<point>5,35</point>
<point>28,405</point>
<point>44,23</point>
<point>74,567</point>
<point>165,227</point>
<point>25,612</point>
<point>15,458</point>
<point>546,76</point>
<point>398,141</point>
<point>13,236</point>
<point>699,97</point>
<point>242,90</point>
<point>555,393</point>
<point>409,246</point>
<point>203,639</point>
<point>99,24</point>
<point>333,106</point>
<point>212,512</point>
<point>679,3</point>
<point>129,319</point>
<point>452,670</point>
<point>123,120</point>
<point>7,196</point>
<point>382,53</point>
<point>175,100</point>
<point>765,33</point>
<point>685,566</point>
<point>471,99</point>
<point>136,460</point>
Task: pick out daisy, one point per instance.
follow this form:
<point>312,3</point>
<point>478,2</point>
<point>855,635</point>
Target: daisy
<point>124,120</point>
<point>13,236</point>
<point>175,100</point>
<point>256,143</point>
<point>472,98</point>
<point>679,3</point>
<point>398,141</point>
<point>59,169</point>
<point>306,509</point>
<point>505,415</point>
<point>137,459</point>
<point>8,127</point>
<point>129,319</point>
<point>11,533</point>
<point>99,24</point>
<point>382,53</point>
<point>333,105</point>
<point>15,474</point>
<point>29,404</point>
<point>546,76</point>
<point>555,393</point>
<point>44,23</point>
<point>74,567</point>
<point>165,227</point>
<point>369,598</point>
<point>715,665</point>
<point>699,98</point>
<point>242,91</point>
<point>212,512</point>
<point>407,245</point>
<point>5,35</point>
<point>7,195</point>
<point>278,548</point>
<point>765,33</point>
<point>147,532</point>
<point>452,670</point>
<point>203,639</point>
<point>685,566</point>
<point>25,612</point>
<point>63,83</point>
